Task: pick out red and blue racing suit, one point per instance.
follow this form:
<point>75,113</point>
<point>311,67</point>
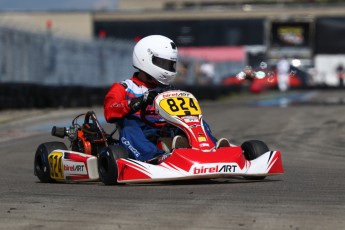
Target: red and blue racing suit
<point>135,135</point>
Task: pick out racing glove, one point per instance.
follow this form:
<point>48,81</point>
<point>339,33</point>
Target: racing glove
<point>146,99</point>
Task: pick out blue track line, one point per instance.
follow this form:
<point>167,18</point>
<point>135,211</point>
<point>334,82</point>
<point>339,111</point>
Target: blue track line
<point>285,100</point>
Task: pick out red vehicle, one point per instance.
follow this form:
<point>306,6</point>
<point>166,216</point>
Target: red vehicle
<point>258,85</point>
<point>95,155</point>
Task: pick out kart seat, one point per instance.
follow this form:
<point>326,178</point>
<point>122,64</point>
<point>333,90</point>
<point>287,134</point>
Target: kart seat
<point>168,143</point>
<point>165,143</point>
<point>223,142</point>
<point>180,142</point>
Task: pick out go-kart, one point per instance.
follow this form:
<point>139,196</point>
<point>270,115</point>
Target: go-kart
<point>95,155</point>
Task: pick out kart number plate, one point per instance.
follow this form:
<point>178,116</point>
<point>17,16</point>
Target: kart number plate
<point>55,162</point>
<point>180,106</point>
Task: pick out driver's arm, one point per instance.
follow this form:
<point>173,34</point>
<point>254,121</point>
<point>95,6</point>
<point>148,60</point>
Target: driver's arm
<point>115,103</point>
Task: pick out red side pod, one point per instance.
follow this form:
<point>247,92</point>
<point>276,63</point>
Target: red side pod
<point>130,170</point>
<point>75,157</point>
<point>79,166</point>
<point>277,167</point>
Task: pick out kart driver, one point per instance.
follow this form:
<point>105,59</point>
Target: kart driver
<point>155,57</point>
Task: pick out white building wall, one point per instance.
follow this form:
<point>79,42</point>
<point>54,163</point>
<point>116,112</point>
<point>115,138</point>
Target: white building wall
<point>325,66</point>
<point>71,24</point>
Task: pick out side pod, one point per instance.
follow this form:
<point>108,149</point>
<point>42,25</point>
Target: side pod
<point>72,166</point>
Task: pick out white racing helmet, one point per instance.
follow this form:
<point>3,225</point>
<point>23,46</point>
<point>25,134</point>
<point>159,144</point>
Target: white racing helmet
<point>156,55</point>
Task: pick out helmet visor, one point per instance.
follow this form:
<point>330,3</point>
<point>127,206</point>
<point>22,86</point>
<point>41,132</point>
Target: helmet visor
<point>164,63</point>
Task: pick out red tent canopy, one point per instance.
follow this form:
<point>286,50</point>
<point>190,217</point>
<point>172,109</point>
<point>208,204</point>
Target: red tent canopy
<point>215,54</point>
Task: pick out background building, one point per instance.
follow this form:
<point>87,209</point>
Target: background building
<point>264,31</point>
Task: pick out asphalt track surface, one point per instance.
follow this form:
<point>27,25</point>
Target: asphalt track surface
<point>310,195</point>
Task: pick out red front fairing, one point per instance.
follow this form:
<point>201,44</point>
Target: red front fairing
<point>186,164</point>
<point>182,159</point>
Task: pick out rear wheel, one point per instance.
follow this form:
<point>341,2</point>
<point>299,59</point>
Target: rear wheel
<point>107,167</point>
<point>253,149</point>
<point>41,164</point>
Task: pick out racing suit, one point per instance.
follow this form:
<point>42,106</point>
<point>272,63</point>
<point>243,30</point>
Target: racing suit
<point>135,135</point>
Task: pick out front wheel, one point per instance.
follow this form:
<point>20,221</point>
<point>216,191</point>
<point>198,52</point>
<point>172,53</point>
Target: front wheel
<point>107,166</point>
<point>41,163</point>
<point>253,149</point>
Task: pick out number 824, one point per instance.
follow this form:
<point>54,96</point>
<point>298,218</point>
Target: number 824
<point>180,106</point>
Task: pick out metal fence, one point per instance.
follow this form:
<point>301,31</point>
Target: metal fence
<point>28,57</point>
<point>40,58</point>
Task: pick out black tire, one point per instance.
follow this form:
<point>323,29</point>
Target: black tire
<point>41,164</point>
<point>107,167</point>
<point>253,149</point>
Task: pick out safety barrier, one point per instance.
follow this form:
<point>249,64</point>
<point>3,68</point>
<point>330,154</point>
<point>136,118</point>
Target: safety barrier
<point>39,70</point>
<point>28,96</point>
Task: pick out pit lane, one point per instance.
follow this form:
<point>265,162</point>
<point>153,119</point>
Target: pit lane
<point>310,195</point>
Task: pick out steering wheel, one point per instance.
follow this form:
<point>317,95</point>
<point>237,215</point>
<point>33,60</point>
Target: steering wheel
<point>144,113</point>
